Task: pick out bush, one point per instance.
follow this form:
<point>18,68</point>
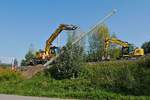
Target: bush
<point>142,77</point>
<point>112,76</point>
<point>144,62</point>
<point>28,58</point>
<point>146,47</point>
<point>8,75</point>
<point>122,76</point>
<point>108,80</point>
<point>68,64</point>
<point>104,80</point>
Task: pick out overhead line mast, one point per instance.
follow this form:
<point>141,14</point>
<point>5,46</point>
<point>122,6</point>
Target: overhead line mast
<point>110,14</point>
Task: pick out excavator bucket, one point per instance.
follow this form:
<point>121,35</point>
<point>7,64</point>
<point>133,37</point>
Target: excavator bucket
<point>69,27</point>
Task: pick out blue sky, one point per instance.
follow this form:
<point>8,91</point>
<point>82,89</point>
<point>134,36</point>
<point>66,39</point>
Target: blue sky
<point>23,22</point>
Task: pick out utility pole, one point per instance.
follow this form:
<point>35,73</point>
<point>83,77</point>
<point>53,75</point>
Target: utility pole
<point>82,35</point>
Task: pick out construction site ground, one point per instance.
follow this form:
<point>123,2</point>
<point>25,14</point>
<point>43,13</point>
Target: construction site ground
<point>30,71</point>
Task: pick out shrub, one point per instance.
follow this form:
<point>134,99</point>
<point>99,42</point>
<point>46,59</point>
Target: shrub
<point>122,76</point>
<point>8,75</point>
<point>144,62</point>
<point>68,64</point>
<point>28,58</point>
<point>146,47</point>
<point>142,76</point>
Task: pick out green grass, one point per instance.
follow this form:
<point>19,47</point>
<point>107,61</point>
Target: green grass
<point>124,80</point>
<point>46,87</point>
<point>125,77</point>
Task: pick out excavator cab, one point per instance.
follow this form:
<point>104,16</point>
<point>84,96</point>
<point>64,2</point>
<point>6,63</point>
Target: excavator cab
<point>127,50</point>
<point>54,50</point>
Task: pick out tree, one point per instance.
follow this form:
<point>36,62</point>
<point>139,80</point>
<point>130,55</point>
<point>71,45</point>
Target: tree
<point>28,57</point>
<point>68,64</point>
<point>23,62</point>
<point>96,43</point>
<point>146,47</point>
<point>114,49</point>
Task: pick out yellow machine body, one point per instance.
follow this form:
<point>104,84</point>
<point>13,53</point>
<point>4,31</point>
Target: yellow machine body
<point>138,52</point>
<point>125,45</point>
<point>50,51</point>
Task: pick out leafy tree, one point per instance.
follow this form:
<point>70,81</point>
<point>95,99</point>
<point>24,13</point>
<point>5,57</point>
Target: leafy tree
<point>96,43</point>
<point>146,47</point>
<point>28,57</point>
<point>115,53</point>
<point>114,50</point>
<point>23,62</point>
<point>68,64</point>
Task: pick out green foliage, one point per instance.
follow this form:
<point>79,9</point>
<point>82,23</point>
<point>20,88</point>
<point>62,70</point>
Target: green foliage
<point>41,85</point>
<point>104,80</point>
<point>114,50</point>
<point>96,43</point>
<point>8,75</point>
<point>112,76</point>
<point>115,53</point>
<point>146,47</point>
<point>68,63</point>
<point>144,62</point>
<point>23,62</point>
<point>28,58</point>
<point>123,76</point>
<point>29,55</point>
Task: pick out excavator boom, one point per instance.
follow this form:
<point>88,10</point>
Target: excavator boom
<point>56,33</point>
<point>116,41</point>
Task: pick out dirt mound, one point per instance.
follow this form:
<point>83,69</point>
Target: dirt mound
<point>32,70</point>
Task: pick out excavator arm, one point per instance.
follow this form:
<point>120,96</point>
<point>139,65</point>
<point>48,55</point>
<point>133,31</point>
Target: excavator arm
<point>116,41</point>
<point>50,51</point>
<point>108,41</point>
<point>56,33</point>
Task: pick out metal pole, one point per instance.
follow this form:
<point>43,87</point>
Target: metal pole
<point>84,34</point>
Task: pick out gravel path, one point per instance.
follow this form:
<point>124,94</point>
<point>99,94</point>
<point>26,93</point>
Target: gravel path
<point>14,97</point>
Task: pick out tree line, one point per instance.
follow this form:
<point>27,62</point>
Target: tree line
<point>69,64</point>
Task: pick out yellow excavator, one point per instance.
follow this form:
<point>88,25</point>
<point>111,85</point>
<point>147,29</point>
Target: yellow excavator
<point>128,50</point>
<point>50,51</point>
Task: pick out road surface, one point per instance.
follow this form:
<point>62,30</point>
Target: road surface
<point>14,97</point>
